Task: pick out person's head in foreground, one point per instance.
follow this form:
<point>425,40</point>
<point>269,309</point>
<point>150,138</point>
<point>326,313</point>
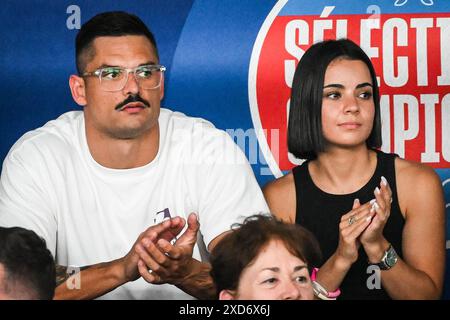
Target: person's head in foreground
<point>265,259</point>
<point>27,269</point>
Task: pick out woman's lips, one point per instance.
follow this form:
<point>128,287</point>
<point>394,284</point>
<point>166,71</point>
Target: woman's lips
<point>350,125</point>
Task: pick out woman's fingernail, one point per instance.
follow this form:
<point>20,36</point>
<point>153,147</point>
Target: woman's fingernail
<point>369,218</point>
<point>375,206</point>
<point>373,201</point>
<point>384,181</point>
<point>377,190</point>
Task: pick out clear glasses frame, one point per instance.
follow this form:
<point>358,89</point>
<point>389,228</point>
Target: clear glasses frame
<point>115,78</point>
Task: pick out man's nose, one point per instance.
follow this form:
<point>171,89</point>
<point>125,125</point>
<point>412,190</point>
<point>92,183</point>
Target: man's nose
<point>131,84</point>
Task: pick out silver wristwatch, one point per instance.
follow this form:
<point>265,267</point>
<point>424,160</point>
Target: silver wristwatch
<point>389,259</point>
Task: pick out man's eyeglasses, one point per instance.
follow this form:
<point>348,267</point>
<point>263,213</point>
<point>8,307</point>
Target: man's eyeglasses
<point>115,78</point>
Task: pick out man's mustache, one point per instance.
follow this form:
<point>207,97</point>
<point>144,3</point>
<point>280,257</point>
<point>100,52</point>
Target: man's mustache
<point>132,98</point>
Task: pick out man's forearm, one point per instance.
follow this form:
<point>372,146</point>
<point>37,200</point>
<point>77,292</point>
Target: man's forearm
<point>90,283</point>
<point>199,283</point>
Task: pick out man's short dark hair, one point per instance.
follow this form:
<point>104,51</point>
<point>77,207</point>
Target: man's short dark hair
<point>240,248</point>
<point>305,136</point>
<point>29,268</point>
<point>108,24</point>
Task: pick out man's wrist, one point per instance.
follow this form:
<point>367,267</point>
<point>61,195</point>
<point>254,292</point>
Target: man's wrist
<point>192,268</point>
<point>198,282</point>
<point>118,271</point>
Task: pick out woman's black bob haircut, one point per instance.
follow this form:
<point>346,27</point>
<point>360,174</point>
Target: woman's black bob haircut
<point>305,137</point>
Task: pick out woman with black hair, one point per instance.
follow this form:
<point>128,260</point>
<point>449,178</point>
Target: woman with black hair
<point>379,219</point>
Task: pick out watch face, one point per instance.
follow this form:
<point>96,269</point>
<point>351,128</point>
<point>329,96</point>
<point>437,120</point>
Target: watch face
<point>391,257</point>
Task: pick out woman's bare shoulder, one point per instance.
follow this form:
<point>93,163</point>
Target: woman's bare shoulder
<point>414,172</point>
<point>416,183</point>
<point>281,198</point>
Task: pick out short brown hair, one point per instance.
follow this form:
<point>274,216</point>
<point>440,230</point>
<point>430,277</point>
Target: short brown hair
<point>239,248</point>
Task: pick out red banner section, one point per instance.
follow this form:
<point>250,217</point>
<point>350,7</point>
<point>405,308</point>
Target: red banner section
<point>410,53</point>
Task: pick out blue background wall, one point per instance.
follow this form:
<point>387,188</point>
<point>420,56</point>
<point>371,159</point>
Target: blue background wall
<point>206,46</point>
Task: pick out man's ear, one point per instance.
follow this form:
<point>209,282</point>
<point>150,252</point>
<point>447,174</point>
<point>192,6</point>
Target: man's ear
<point>227,295</point>
<point>78,89</point>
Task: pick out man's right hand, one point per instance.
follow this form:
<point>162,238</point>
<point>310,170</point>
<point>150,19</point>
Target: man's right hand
<point>167,230</point>
<point>170,263</point>
<point>165,262</point>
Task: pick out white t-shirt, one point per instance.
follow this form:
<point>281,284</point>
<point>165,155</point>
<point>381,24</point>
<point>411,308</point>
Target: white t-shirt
<point>90,214</point>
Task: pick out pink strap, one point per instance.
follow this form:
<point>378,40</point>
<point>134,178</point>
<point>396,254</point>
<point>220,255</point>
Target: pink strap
<point>333,294</point>
<point>314,274</point>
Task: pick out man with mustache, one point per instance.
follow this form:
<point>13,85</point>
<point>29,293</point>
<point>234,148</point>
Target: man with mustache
<point>111,188</point>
